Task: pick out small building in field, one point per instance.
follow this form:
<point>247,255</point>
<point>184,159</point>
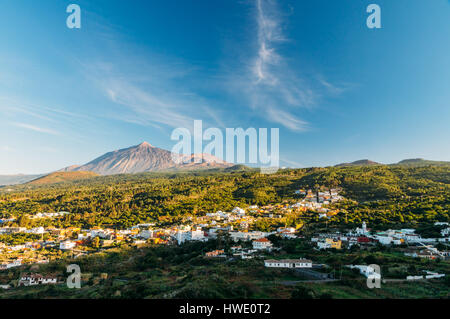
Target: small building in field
<point>215,253</point>
<point>288,263</point>
<point>37,279</point>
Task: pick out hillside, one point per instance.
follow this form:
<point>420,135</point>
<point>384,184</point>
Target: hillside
<point>416,193</point>
<point>364,162</point>
<point>61,177</point>
<point>166,272</point>
<point>388,197</point>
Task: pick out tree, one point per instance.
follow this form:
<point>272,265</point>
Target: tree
<point>96,243</point>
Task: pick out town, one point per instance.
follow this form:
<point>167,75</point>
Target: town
<point>40,245</point>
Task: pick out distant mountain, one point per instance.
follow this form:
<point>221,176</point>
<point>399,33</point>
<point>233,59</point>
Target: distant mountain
<point>61,177</point>
<point>146,158</point>
<point>420,162</point>
<point>407,162</point>
<point>17,179</point>
<point>364,162</point>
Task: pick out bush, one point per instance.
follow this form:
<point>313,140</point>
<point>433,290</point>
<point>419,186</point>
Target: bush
<point>303,293</point>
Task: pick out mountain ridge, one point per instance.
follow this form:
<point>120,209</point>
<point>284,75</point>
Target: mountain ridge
<point>145,157</point>
<point>405,162</point>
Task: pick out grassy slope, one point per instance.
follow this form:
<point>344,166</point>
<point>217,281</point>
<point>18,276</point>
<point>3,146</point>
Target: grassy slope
<point>61,177</point>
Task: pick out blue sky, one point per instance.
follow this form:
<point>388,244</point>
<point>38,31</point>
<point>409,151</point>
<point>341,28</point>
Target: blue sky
<point>337,90</point>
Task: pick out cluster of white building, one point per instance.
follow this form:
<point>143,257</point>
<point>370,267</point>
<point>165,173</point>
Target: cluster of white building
<point>235,214</point>
<point>369,271</point>
<point>321,197</point>
<point>429,275</point>
<point>398,236</point>
<point>15,230</point>
<point>190,235</point>
<point>48,215</point>
<point>12,264</point>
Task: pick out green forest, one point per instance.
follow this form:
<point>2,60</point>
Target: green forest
<point>382,195</point>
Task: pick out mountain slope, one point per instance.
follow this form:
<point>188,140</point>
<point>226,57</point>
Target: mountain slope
<point>61,177</point>
<point>146,158</point>
<point>420,162</point>
<point>364,162</point>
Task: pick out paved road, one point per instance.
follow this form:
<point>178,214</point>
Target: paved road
<point>293,283</point>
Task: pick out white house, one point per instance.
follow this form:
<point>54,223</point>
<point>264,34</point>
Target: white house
<point>66,245</point>
<point>146,234</point>
<point>247,236</point>
<point>323,245</point>
<point>98,233</point>
<point>384,240</point>
<point>286,229</point>
<point>238,211</point>
<point>262,243</point>
<point>363,230</point>
<point>288,263</point>
<point>244,225</point>
<point>366,271</point>
<point>197,234</point>
<point>37,230</point>
<point>37,279</point>
<point>182,236</point>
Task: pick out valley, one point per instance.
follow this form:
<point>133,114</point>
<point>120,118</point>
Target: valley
<point>312,213</point>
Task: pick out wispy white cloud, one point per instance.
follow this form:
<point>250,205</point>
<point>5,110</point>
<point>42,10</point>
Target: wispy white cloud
<point>19,112</point>
<point>162,91</point>
<point>272,88</point>
<point>21,107</point>
<point>147,108</point>
<point>286,119</point>
<point>334,89</point>
<point>152,91</point>
<point>36,128</point>
<point>269,33</point>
